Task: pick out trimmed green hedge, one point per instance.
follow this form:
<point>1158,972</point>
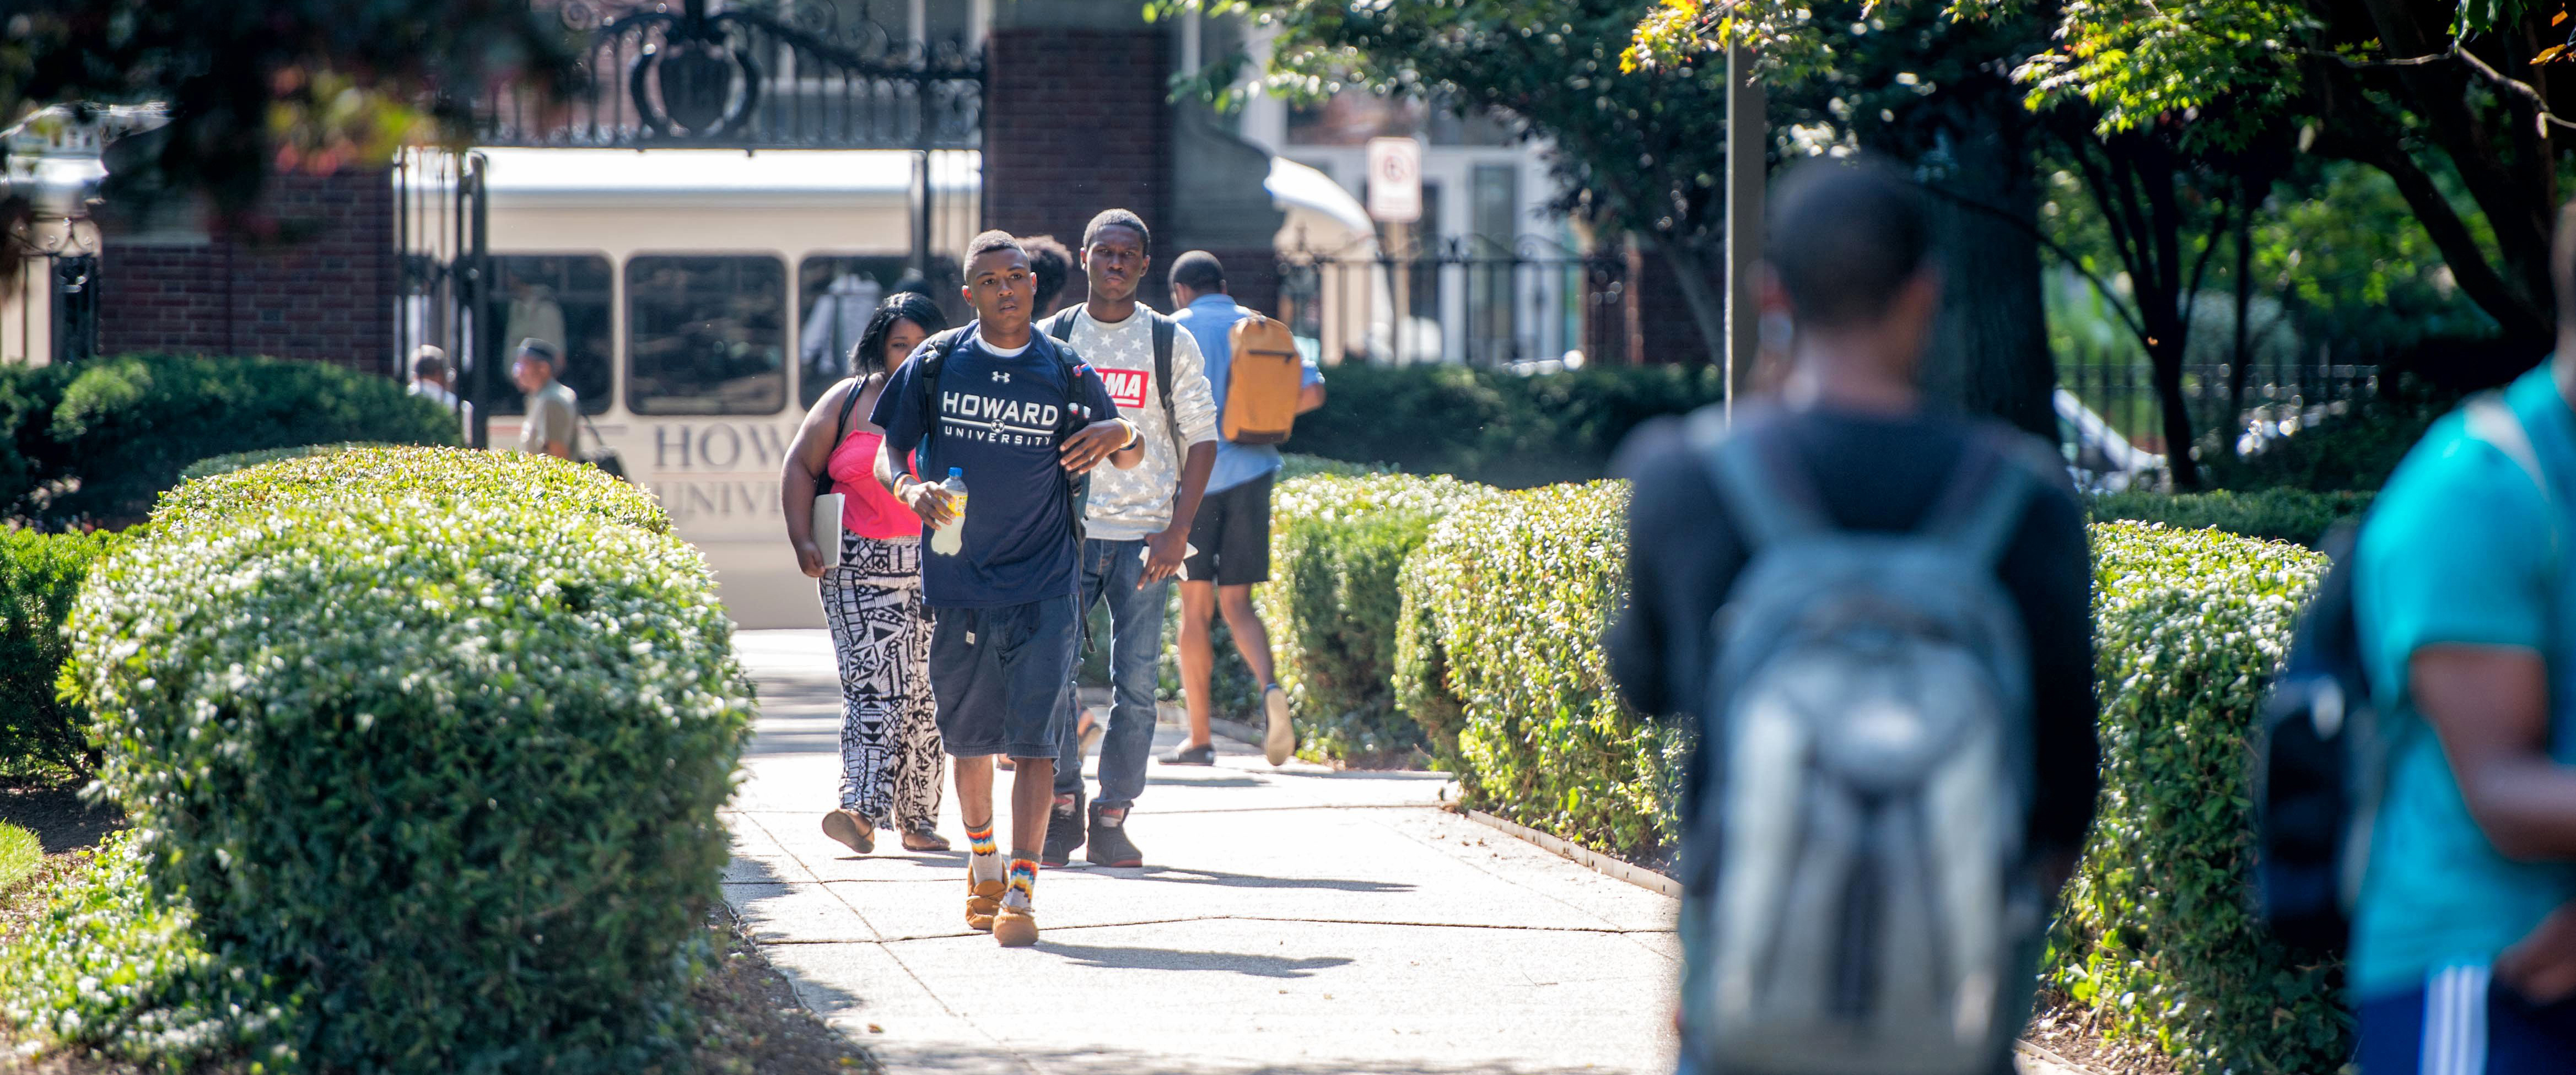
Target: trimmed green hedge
<point>436,772</point>
<point>101,439</point>
<point>226,464</point>
<point>40,574</point>
<point>1337,547</point>
<point>1495,427</point>
<point>20,854</point>
<point>2293,515</point>
<point>2157,931</point>
<point>1499,658</point>
<point>538,484</point>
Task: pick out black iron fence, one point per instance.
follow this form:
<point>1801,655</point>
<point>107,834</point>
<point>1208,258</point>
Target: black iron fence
<point>2275,394</point>
<point>1470,299</point>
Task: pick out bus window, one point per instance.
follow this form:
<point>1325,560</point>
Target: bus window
<point>562,299</point>
<point>838,294</point>
<point>706,334</point>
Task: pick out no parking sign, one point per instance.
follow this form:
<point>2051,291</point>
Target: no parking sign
<point>1395,180</point>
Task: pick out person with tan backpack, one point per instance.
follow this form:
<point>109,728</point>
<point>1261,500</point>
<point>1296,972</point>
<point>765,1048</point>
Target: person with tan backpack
<point>1261,384</point>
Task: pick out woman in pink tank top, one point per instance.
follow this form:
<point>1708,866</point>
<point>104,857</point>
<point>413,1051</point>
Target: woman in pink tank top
<point>891,762</point>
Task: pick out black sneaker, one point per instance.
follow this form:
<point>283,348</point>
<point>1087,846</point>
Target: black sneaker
<point>1064,834</point>
<point>1202,754</point>
<point>1109,843</point>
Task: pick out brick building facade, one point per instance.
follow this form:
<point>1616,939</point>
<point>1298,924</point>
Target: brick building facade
<point>323,288</point>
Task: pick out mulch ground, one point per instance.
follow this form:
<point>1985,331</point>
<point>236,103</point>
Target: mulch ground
<point>2070,1037</point>
<point>750,1020</point>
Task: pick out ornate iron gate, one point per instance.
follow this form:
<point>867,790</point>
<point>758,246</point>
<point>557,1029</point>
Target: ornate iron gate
<point>440,233</point>
<point>787,75</point>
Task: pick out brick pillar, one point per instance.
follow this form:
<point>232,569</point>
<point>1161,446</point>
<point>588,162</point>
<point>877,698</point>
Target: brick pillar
<point>322,289</point>
<point>1073,124</point>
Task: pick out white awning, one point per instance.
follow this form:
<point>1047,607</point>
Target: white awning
<point>1297,186</point>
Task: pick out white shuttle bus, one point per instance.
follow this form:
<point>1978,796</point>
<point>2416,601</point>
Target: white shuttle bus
<point>703,299</point>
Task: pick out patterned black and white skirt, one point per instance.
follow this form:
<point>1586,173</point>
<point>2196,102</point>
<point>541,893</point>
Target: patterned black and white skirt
<point>891,764</point>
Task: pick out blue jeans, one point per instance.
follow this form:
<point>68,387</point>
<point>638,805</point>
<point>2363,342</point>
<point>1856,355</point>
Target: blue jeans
<point>1111,570</point>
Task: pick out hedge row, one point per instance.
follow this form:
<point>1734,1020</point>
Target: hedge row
<point>40,574</point>
<point>2296,516</point>
<point>101,439</point>
<point>1496,427</point>
<point>1499,658</point>
<point>1338,546</point>
<point>2156,932</point>
<point>423,750</point>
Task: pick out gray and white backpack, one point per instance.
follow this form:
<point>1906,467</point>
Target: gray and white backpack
<point>1859,901</point>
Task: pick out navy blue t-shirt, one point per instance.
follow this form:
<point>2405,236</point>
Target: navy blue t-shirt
<point>998,417</point>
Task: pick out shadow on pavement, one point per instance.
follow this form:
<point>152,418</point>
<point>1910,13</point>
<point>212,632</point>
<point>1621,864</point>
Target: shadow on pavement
<point>1090,1061</point>
<point>1171,959</point>
<point>1222,879</point>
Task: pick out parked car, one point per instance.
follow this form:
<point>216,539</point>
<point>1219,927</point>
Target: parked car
<point>2097,456</point>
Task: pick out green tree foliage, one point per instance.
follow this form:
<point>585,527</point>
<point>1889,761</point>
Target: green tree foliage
<point>2418,89</point>
<point>1640,153</point>
<point>280,84</point>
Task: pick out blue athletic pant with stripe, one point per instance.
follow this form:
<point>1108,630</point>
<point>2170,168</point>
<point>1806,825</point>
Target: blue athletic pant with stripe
<point>2463,1022</point>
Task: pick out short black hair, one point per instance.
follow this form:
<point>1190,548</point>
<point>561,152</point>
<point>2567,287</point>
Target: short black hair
<point>428,360</point>
<point>987,243</point>
<point>1052,264</point>
<point>1120,218</point>
<point>869,355</point>
<point>540,350</point>
<point>1844,238</point>
<point>1199,270</point>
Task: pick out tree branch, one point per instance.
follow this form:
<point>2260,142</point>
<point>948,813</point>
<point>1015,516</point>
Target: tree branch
<point>2071,261</point>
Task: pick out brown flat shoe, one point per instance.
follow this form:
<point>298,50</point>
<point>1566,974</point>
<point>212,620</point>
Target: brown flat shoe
<point>1016,927</point>
<point>924,841</point>
<point>851,830</point>
<point>983,901</point>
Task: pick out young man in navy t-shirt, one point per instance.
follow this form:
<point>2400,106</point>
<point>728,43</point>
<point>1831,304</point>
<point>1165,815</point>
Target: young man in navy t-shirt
<point>1024,418</point>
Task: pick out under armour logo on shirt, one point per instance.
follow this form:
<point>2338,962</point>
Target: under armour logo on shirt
<point>1001,376</point>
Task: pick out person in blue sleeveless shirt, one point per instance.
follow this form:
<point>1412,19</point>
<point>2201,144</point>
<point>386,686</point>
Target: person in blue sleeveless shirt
<point>1023,417</point>
<point>2464,940</point>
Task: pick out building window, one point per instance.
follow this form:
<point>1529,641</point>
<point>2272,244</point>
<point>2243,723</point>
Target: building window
<point>836,294</point>
<point>706,334</point>
<point>562,299</point>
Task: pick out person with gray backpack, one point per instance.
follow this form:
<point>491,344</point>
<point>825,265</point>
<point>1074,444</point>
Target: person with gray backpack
<point>1878,617</point>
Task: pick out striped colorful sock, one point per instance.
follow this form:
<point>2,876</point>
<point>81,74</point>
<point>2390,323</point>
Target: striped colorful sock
<point>980,841</point>
<point>1024,880</point>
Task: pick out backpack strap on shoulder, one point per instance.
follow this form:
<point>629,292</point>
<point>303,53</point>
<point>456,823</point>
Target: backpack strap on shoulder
<point>1988,494</point>
<point>1164,328</point>
<point>1758,479</point>
<point>1060,323</point>
<point>2491,419</point>
<point>941,346</point>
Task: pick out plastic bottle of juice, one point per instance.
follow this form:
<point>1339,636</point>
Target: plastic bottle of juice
<point>951,537</point>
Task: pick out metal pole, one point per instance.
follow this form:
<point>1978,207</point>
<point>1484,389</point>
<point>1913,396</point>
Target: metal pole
<point>478,291</point>
<point>1747,130</point>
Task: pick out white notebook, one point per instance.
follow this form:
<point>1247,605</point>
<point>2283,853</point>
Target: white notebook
<point>827,527</point>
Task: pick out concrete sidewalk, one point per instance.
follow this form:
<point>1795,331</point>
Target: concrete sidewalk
<point>1293,921</point>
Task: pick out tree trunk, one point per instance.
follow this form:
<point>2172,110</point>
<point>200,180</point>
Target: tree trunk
<point>2242,361</point>
<point>1701,274</point>
<point>1989,353</point>
<point>2167,354</point>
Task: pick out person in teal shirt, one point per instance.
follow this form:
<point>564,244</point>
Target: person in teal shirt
<point>2464,941</point>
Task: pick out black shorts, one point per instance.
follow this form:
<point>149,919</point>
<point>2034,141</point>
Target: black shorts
<point>1000,676</point>
<point>1232,532</point>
